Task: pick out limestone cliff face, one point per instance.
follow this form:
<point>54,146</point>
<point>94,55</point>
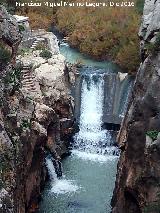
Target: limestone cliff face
<point>9,32</point>
<point>35,118</point>
<point>137,184</point>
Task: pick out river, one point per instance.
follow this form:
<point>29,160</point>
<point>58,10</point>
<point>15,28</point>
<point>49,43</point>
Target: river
<point>89,172</point>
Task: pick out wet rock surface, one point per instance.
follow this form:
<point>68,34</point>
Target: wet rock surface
<point>137,184</point>
<point>35,118</point>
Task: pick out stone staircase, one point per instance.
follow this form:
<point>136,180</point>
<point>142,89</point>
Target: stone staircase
<point>36,42</point>
<point>28,80</point>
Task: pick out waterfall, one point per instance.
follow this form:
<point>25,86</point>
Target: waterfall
<point>51,169</point>
<point>92,138</point>
<point>59,185</point>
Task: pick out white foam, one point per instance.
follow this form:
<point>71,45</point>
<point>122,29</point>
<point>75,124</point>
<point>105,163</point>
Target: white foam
<point>91,133</point>
<point>92,138</point>
<point>93,157</point>
<point>51,169</point>
<point>59,186</point>
<point>64,186</point>
<point>64,44</point>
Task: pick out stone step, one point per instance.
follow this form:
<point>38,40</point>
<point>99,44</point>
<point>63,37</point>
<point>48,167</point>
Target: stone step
<point>29,86</point>
<point>27,76</point>
<point>33,91</point>
<point>25,72</point>
<point>25,68</point>
<point>28,73</point>
<point>40,39</point>
<point>26,65</point>
<point>26,80</point>
<point>30,89</point>
<point>28,83</point>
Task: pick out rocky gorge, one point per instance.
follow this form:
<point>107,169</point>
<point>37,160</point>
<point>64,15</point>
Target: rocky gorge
<point>36,116</point>
<point>37,123</point>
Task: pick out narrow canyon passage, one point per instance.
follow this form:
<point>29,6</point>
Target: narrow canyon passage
<point>89,173</point>
<point>61,110</point>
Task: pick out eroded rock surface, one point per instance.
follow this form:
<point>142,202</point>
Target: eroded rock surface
<point>35,118</point>
<point>9,32</point>
<point>138,180</point>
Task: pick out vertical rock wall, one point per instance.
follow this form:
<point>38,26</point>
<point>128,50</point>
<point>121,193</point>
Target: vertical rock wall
<point>138,179</point>
<point>35,118</point>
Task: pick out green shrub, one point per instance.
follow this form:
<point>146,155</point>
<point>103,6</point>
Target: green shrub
<point>154,47</point>
<point>152,134</point>
<point>1,184</point>
<point>149,47</point>
<point>103,33</point>
<point>46,54</point>
<point>13,78</point>
<point>9,6</point>
<point>154,207</point>
<point>23,51</point>
<point>21,28</point>
<point>140,6</point>
<point>5,55</point>
<point>41,46</point>
<point>1,102</point>
<point>25,124</point>
<point>157,42</point>
<point>29,99</point>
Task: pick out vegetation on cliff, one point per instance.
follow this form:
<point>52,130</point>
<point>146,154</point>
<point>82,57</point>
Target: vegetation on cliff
<point>102,32</point>
<point>5,54</point>
<point>153,47</point>
<point>153,134</point>
<point>39,17</point>
<point>46,54</point>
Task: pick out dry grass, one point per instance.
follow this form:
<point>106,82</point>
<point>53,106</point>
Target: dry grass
<point>103,33</point>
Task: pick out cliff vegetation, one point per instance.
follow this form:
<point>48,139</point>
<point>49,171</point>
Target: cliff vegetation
<point>104,33</point>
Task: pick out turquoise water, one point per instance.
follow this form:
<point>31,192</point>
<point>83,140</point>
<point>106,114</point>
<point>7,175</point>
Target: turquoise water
<point>88,174</point>
<point>73,56</point>
<point>86,186</point>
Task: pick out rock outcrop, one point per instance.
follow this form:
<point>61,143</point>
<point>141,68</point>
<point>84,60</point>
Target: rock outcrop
<point>35,118</point>
<point>9,32</point>
<point>138,180</point>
